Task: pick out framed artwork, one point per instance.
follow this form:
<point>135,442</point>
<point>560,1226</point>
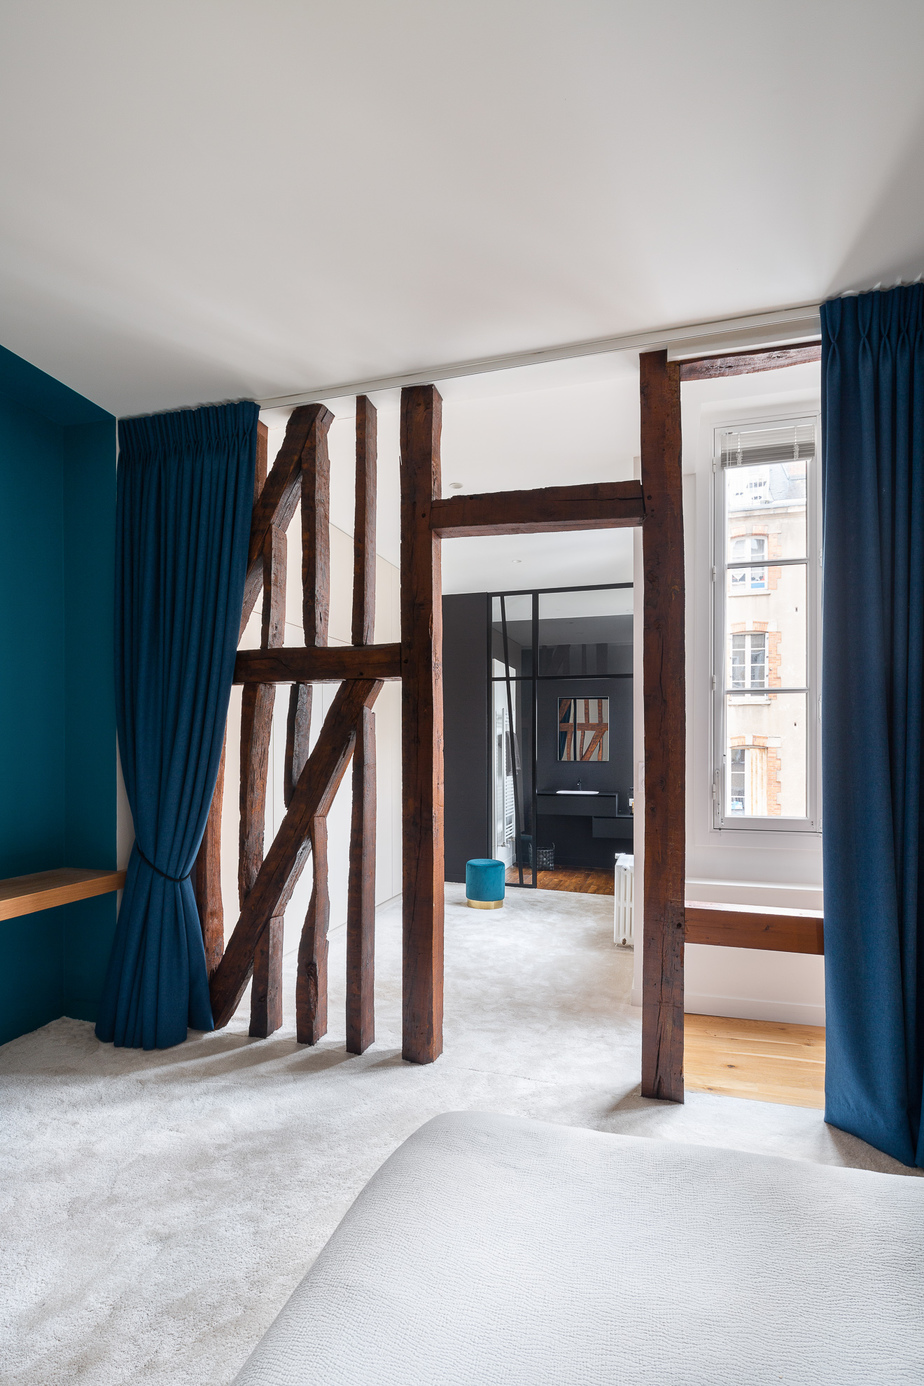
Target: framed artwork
<point>583,729</point>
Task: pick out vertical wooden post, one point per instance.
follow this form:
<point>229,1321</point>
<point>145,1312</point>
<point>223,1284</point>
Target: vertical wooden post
<point>311,983</point>
<point>257,717</point>
<point>422,725</point>
<point>360,941</point>
<point>207,870</point>
<point>315,509</point>
<point>311,980</point>
<point>266,991</point>
<point>360,959</point>
<point>256,731</point>
<point>316,530</point>
<point>665,729</point>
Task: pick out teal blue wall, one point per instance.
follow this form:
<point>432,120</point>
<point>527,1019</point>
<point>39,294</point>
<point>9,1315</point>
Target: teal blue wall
<point>57,718</point>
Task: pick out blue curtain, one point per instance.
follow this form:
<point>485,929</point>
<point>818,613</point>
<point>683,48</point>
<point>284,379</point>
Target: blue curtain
<point>184,501</point>
<point>873,718</point>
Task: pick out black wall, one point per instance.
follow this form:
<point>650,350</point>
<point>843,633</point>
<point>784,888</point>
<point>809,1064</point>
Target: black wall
<point>465,730</point>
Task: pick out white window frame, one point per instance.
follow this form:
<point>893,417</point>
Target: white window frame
<point>722,818</point>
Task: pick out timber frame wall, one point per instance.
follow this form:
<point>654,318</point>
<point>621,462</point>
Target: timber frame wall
<point>301,475</point>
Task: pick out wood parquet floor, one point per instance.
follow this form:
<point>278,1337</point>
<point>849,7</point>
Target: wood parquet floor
<point>760,1059</point>
<point>580,882</point>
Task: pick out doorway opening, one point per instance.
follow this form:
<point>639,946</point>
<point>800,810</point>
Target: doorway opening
<point>560,725</point>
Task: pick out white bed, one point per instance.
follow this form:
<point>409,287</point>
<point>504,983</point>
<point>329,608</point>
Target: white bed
<point>492,1249</point>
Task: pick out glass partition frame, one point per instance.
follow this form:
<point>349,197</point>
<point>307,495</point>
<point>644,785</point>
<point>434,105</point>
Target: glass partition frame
<point>528,875</point>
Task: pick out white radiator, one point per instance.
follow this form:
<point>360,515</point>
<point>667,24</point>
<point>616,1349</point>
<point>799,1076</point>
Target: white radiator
<point>623,909</point>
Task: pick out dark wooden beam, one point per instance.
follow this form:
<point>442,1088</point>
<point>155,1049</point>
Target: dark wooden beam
<point>257,718</point>
<point>298,735</point>
<point>364,524</point>
<point>266,991</point>
<point>421,725</point>
<point>311,980</point>
<point>207,877</point>
<point>316,532</point>
<point>750,926</point>
<point>360,959</point>
<point>261,462</point>
<point>280,494</point>
<point>665,730</point>
<point>748,362</point>
<point>550,509</point>
<point>328,664</point>
<point>360,939</point>
<point>256,731</point>
<point>272,890</point>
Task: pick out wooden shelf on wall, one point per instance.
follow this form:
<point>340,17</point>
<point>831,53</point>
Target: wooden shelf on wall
<point>44,890</point>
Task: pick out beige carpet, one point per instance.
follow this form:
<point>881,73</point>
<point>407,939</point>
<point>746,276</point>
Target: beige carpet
<point>157,1209</point>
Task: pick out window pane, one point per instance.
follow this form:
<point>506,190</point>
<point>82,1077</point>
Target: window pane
<point>765,511</point>
<point>586,632</point>
<point>765,755</point>
<point>768,627</point>
<point>519,614</point>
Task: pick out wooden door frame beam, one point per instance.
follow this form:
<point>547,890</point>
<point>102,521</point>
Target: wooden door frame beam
<point>664,670</point>
<point>428,517</point>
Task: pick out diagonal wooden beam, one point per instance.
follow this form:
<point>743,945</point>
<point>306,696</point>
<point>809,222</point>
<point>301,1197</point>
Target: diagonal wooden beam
<point>272,890</point>
<point>280,494</point>
<point>665,730</point>
<point>547,510</point>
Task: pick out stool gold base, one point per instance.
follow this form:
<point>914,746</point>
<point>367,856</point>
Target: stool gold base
<point>485,904</point>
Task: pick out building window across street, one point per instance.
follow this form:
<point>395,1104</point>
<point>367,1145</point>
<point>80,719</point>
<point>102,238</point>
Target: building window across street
<point>766,647</point>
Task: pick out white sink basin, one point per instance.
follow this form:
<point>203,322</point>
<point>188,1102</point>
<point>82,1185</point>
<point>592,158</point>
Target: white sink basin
<point>577,791</point>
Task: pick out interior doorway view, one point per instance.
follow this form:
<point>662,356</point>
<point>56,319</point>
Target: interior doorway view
<point>557,735</point>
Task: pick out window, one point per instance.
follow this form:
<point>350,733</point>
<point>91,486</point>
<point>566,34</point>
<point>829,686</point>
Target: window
<point>737,780</point>
<point>749,551</point>
<point>766,648</point>
<point>748,661</point>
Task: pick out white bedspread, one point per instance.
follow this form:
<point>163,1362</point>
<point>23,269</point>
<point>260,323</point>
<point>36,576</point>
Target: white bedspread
<point>492,1249</point>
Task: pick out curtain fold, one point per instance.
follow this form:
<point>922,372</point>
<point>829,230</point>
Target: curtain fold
<point>873,719</point>
<point>184,503</point>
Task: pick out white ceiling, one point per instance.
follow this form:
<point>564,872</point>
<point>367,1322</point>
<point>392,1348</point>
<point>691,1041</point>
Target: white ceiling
<point>225,199</point>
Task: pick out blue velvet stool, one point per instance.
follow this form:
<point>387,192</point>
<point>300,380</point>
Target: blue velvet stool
<point>484,883</point>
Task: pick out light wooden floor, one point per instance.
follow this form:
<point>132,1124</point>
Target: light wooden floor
<point>583,882</point>
<point>760,1059</point>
